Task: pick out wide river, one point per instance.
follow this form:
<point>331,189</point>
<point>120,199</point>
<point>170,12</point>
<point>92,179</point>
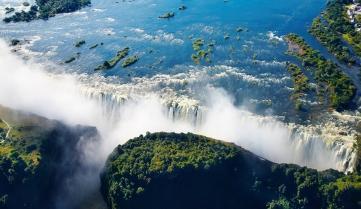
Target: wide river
<point>248,64</point>
<point>241,93</point>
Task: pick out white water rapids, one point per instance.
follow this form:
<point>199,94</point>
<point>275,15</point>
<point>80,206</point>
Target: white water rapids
<point>123,111</point>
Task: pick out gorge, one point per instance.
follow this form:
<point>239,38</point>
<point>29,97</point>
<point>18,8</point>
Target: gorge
<point>225,75</point>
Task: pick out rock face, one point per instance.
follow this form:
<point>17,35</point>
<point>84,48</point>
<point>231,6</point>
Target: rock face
<point>187,171</point>
<point>36,156</point>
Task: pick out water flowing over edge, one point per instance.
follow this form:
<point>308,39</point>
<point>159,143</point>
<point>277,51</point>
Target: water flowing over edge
<point>305,144</point>
<point>154,104</point>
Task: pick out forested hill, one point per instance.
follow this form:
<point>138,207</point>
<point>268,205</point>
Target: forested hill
<point>36,155</point>
<point>182,171</point>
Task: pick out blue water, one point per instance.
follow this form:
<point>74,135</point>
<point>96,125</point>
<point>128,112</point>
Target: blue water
<point>165,45</point>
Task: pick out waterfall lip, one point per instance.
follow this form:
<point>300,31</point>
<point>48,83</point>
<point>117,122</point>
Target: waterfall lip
<point>334,126</point>
<point>177,93</point>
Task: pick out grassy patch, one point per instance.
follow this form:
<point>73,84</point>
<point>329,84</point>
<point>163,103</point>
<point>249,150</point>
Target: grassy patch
<point>5,149</point>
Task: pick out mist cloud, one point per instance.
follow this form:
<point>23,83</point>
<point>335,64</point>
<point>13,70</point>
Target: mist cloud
<point>27,86</point>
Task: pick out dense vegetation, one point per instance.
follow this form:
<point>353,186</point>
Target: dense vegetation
<point>28,16</point>
<point>112,62</point>
<point>202,51</point>
<point>332,40</point>
<point>36,155</point>
<point>130,61</point>
<point>336,16</point>
<point>301,84</point>
<point>338,24</point>
<point>333,84</point>
<point>168,170</point>
<point>47,8</point>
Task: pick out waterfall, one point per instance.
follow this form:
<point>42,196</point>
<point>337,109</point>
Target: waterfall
<point>120,110</point>
<point>191,114</point>
<point>306,145</point>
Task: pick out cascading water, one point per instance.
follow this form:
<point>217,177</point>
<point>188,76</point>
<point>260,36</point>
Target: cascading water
<point>305,145</point>
<point>122,111</point>
<point>168,98</point>
<point>191,114</point>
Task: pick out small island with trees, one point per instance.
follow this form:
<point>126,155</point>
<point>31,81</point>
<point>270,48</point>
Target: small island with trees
<point>47,8</point>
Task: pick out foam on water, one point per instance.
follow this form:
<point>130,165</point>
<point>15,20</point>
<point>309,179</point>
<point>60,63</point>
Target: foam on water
<point>16,4</point>
<point>273,37</point>
<point>180,104</point>
<point>164,90</point>
<point>121,111</point>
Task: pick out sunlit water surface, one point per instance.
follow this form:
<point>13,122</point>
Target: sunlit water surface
<point>250,64</point>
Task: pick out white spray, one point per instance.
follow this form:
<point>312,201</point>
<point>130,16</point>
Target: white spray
<point>27,86</point>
